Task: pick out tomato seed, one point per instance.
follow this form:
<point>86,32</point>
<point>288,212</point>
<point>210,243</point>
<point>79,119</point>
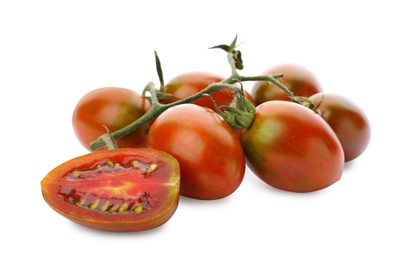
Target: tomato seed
<point>76,174</point>
<point>81,201</point>
<point>94,205</point>
<point>123,207</point>
<point>104,207</point>
<point>152,167</point>
<point>138,208</point>
<point>109,163</point>
<point>135,164</point>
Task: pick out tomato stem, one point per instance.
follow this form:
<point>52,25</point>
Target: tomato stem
<point>271,78</point>
<point>245,113</point>
<point>156,109</point>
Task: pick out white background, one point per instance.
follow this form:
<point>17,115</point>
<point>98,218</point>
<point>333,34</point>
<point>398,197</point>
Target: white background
<point>53,52</point>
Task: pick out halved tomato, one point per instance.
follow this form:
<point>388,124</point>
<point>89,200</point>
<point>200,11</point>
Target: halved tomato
<point>128,189</point>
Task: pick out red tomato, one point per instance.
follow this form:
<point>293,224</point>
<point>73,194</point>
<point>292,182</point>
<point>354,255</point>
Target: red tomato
<point>298,79</point>
<point>190,83</point>
<point>210,155</point>
<point>292,148</point>
<point>114,108</point>
<point>347,120</point>
<point>122,190</point>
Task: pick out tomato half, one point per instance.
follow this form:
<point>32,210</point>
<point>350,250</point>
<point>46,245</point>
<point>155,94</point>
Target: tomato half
<point>190,83</point>
<point>292,148</point>
<point>209,153</point>
<point>114,108</point>
<point>347,120</point>
<point>298,79</point>
<point>124,190</point>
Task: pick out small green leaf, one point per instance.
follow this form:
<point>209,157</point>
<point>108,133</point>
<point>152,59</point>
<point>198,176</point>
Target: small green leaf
<point>234,115</point>
<point>159,71</point>
<point>238,118</point>
<point>221,46</point>
<point>233,44</point>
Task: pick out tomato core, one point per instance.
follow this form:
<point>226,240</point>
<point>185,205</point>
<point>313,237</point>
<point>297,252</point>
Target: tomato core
<point>121,179</point>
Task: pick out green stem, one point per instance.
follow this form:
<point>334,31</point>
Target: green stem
<point>234,70</point>
<point>156,109</point>
<point>271,78</point>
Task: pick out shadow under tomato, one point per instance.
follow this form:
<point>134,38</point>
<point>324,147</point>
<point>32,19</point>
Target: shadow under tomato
<point>97,232</point>
<point>258,184</point>
<point>198,202</point>
<point>349,165</point>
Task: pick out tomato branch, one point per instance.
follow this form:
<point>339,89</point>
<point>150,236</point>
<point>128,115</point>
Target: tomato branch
<point>156,109</point>
<point>236,63</point>
<point>235,114</point>
<point>271,78</point>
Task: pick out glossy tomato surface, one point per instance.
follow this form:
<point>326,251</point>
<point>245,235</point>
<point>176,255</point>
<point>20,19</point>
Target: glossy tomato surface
<point>348,121</point>
<point>123,190</point>
<point>190,83</point>
<point>298,79</point>
<point>114,108</point>
<point>210,155</point>
<point>292,148</point>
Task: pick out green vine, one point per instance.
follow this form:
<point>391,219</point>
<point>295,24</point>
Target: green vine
<point>239,114</point>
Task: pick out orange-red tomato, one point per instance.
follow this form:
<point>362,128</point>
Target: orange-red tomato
<point>190,83</point>
<point>292,148</point>
<point>114,108</point>
<point>209,153</point>
<point>298,79</point>
<point>347,120</point>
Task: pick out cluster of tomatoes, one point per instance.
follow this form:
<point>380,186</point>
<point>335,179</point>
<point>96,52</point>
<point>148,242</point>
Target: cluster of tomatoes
<point>190,150</point>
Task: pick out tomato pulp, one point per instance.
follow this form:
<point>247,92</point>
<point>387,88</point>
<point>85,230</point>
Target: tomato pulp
<point>122,190</point>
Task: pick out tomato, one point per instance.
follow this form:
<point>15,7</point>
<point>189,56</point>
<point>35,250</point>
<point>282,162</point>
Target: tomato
<point>347,120</point>
<point>114,108</point>
<point>124,190</point>
<point>209,153</point>
<point>292,148</point>
<point>188,84</point>
<point>298,79</point>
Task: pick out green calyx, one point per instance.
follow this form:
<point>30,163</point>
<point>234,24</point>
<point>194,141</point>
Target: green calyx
<point>239,114</point>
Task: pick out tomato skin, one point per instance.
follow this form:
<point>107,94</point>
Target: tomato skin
<point>292,148</point>
<point>73,187</point>
<point>209,153</point>
<point>298,79</point>
<point>114,108</point>
<point>190,83</point>
<point>347,120</point>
